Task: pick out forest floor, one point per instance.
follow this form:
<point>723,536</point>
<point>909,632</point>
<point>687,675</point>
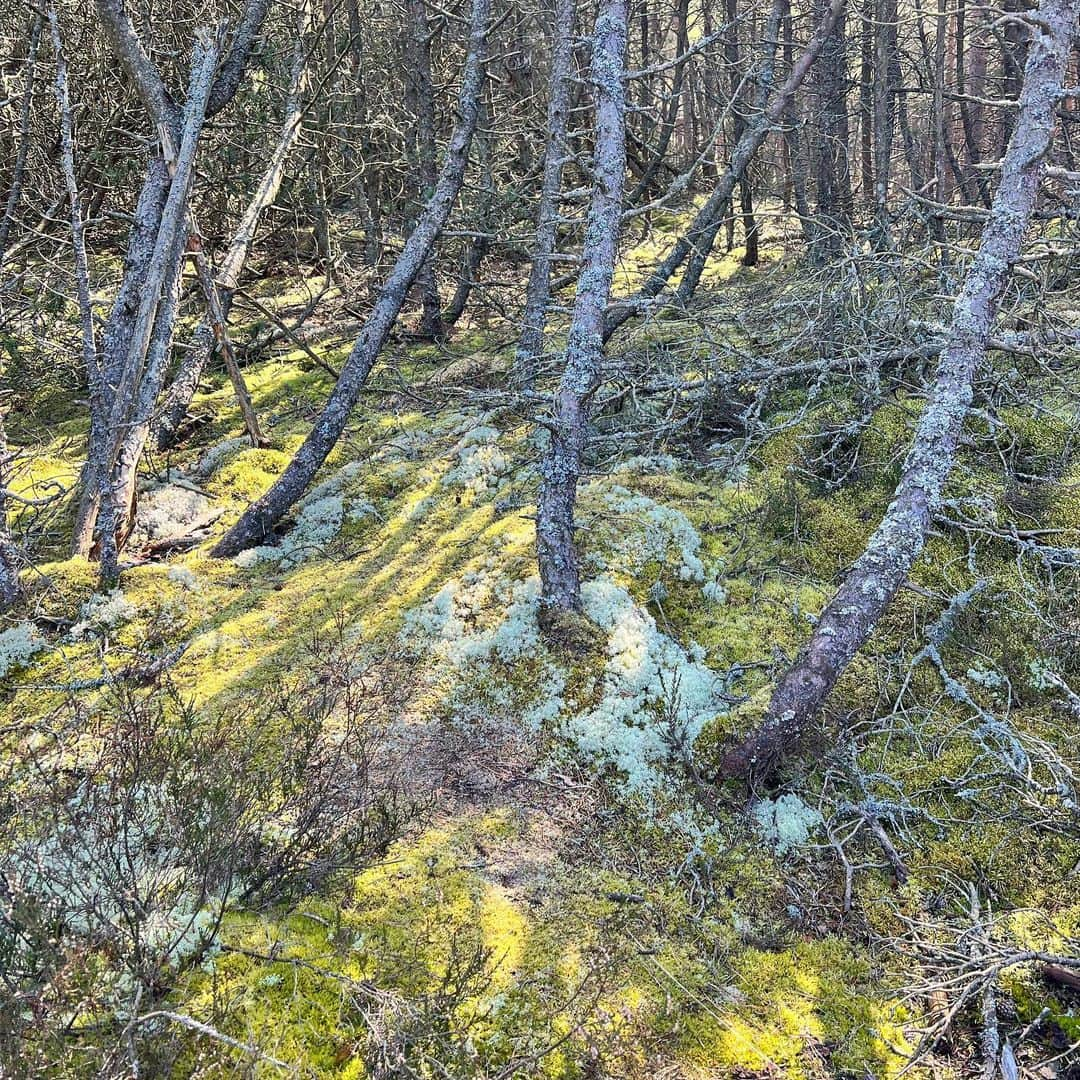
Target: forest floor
<point>568,894</point>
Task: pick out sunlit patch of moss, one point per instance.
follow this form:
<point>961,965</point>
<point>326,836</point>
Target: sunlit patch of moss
<point>248,474</point>
<point>816,1010</point>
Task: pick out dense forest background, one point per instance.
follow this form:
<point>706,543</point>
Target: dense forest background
<point>539,541</point>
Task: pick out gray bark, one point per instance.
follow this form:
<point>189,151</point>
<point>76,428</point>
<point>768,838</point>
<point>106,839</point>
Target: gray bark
<point>259,519</point>
<point>140,379</point>
<point>121,325</point>
<point>850,617</point>
<point>538,289</point>
<point>18,173</point>
<point>699,238</point>
<point>561,463</point>
<point>178,398</point>
<point>423,95</point>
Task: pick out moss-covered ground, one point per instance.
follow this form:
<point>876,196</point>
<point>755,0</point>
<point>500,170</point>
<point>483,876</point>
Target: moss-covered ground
<point>542,920</point>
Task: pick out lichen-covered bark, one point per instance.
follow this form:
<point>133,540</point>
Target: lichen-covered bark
<point>848,620</point>
<point>259,518</point>
<point>122,323</point>
<point>561,463</point>
<point>538,289</point>
<point>177,400</point>
<point>698,240</point>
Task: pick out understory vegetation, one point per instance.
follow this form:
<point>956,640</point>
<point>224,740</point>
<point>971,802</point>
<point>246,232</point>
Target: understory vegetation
<point>336,801</point>
<point>539,541</point>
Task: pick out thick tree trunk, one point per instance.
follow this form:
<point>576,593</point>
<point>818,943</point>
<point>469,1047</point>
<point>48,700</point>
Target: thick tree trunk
<point>178,398</point>
<point>538,289</point>
<point>850,617</point>
<point>259,519</point>
<point>561,463</point>
<point>697,241</point>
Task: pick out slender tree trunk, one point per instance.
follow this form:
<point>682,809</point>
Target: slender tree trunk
<point>423,96</point>
<point>978,184</point>
<point>11,208</point>
<point>851,616</point>
<point>215,313</point>
<point>884,112</point>
<point>646,183</point>
<point>257,522</point>
<point>538,289</point>
<point>121,325</point>
<point>143,372</point>
<point>561,463</point>
<point>832,168</point>
<point>793,141</point>
<point>10,586</point>
<point>178,398</point>
<point>697,241</point>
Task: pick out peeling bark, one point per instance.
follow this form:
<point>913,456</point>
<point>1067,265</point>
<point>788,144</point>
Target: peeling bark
<point>850,617</point>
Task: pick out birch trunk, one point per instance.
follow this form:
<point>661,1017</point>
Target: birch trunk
<point>850,617</point>
<point>561,463</point>
<point>259,519</point>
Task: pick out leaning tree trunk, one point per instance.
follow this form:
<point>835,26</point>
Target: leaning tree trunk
<point>259,519</point>
<point>178,397</point>
<point>143,370</point>
<point>538,289</point>
<point>561,462</point>
<point>850,617</point>
<point>120,327</point>
<point>699,238</point>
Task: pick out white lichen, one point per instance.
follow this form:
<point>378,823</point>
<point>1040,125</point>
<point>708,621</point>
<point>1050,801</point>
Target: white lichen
<point>18,645</point>
<point>104,612</point>
<point>786,822</point>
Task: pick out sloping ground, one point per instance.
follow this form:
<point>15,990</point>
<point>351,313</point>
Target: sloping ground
<point>568,894</point>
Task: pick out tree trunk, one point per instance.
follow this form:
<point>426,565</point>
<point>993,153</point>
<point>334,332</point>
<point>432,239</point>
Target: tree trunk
<point>178,398</point>
<point>561,462</point>
<point>850,617</point>
<point>142,238</point>
<point>258,520</point>
<point>423,98</point>
<point>11,207</point>
<point>832,168</point>
<point>538,289</point>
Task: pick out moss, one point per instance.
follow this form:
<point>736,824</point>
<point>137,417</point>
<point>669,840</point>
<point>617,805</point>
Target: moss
<point>247,476</point>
